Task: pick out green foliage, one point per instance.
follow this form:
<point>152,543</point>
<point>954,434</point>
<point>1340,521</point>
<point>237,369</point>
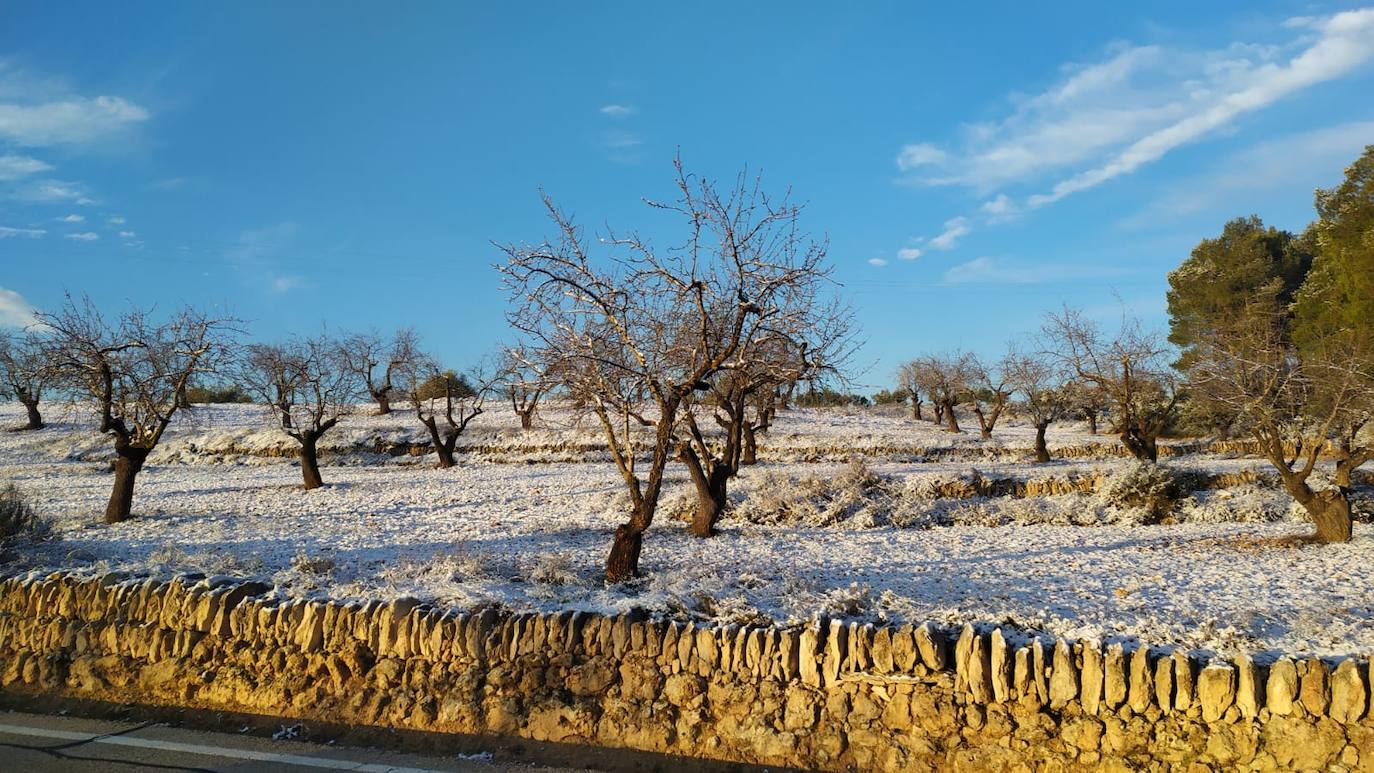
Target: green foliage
<point>433,388</point>
<point>892,397</point>
<point>1247,262</point>
<point>222,393</point>
<point>1336,305</point>
<point>826,397</point>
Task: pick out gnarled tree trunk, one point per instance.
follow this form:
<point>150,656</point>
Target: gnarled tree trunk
<point>310,461</point>
<point>383,399</point>
<point>915,408</point>
<point>1092,422</point>
<point>1042,451</point>
<point>951,421</point>
<point>128,462</point>
<point>1141,445</point>
<point>623,562</point>
<point>526,419</point>
<point>749,445</point>
<point>35,418</point>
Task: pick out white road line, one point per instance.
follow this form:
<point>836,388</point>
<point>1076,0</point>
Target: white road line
<point>212,751</point>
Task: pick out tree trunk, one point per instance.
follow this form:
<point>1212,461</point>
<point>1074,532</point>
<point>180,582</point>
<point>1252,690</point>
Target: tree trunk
<point>1141,446</point>
<point>443,447</point>
<point>711,501</point>
<point>383,399</point>
<point>915,408</point>
<point>951,421</point>
<point>984,430</point>
<point>35,418</point>
<point>310,463</point>
<point>128,463</point>
<point>527,419</point>
<point>749,445</point>
<point>623,562</point>
<point>937,414</point>
<point>1042,451</point>
<point>1092,422</point>
<point>1330,511</point>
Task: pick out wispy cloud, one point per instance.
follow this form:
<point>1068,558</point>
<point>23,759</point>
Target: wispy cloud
<point>73,218</point>
<point>15,311</point>
<point>116,220</point>
<point>283,284</point>
<point>909,253</point>
<point>14,167</point>
<point>877,262</point>
<point>1292,162</point>
<point>618,111</point>
<point>1108,118</point>
<point>38,112</point>
<point>84,236</point>
<point>127,234</point>
<point>7,232</point>
<point>956,228</point>
<point>52,191</point>
<point>259,252</point>
<point>988,270</point>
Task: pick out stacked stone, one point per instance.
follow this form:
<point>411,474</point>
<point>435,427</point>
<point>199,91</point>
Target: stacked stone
<point>830,695</point>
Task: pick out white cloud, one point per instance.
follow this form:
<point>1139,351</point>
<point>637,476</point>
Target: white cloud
<point>67,121</point>
<point>1000,207</point>
<point>15,311</point>
<point>618,140</point>
<point>908,253</point>
<point>919,154</point>
<point>127,234</point>
<point>877,262</point>
<point>85,236</point>
<point>1300,161</point>
<point>115,220</point>
<point>73,218</point>
<point>1108,118</point>
<point>986,270</point>
<point>282,284</point>
<point>47,191</point>
<point>12,233</point>
<point>955,229</point>
<point>13,167</point>
<point>618,111</point>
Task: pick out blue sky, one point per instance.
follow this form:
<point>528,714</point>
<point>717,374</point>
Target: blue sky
<point>350,164</point>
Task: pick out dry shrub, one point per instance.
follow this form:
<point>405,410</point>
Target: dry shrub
<point>18,520</point>
<point>1151,488</point>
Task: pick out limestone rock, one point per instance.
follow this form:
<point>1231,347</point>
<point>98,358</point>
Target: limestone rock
<point>1281,689</point>
<point>1114,677</point>
<point>932,648</point>
<point>1090,681</point>
<point>1216,690</point>
<point>1314,690</point>
<point>1142,681</point>
<point>1183,681</point>
<point>1064,680</point>
<point>1000,667</point>
<point>1348,693</point>
<point>1248,699</point>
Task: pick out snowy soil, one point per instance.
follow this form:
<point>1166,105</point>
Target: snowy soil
<point>534,536</point>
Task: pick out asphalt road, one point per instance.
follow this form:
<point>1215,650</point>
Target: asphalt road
<point>35,743</point>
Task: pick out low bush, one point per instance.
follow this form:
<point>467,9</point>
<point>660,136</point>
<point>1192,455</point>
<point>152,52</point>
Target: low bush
<point>18,520</point>
<point>1146,486</point>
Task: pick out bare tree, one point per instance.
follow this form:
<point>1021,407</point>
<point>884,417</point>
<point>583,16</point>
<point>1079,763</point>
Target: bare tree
<point>946,379</point>
<point>634,335</point>
<point>1131,368</point>
<point>375,362</point>
<point>1296,405</point>
<point>523,383</point>
<point>309,386</point>
<point>1086,401</point>
<point>135,371</point>
<point>1038,378</point>
<point>988,393</point>
<point>24,372</point>
<point>803,341</point>
<point>445,402</point>
<point>908,382</point>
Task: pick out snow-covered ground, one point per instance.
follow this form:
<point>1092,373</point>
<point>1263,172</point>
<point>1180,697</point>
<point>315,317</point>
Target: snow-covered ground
<point>1224,577</point>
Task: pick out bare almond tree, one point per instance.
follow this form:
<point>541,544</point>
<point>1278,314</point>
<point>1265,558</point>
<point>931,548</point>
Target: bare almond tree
<point>1297,405</point>
<point>309,386</point>
<point>24,372</point>
<point>635,333</point>
<point>523,384</point>
<point>909,384</point>
<point>988,393</point>
<point>1039,379</point>
<point>375,361</point>
<point>135,371</point>
<point>1131,368</point>
<point>445,402</point>
<point>1085,401</point>
<point>947,380</point>
<point>806,341</point>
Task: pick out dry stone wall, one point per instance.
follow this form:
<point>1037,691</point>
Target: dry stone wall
<point>834,695</point>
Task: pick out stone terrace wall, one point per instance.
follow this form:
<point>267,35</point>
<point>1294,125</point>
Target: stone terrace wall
<point>832,696</point>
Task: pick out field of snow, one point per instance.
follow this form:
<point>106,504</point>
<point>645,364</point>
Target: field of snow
<point>876,540</point>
